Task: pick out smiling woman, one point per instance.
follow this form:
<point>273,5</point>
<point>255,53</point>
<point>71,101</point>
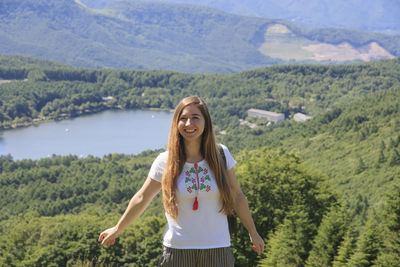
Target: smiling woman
<point>199,189</point>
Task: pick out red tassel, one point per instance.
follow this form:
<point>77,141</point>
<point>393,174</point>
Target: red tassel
<point>195,204</point>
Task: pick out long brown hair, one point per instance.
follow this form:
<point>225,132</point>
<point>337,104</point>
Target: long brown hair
<point>177,158</point>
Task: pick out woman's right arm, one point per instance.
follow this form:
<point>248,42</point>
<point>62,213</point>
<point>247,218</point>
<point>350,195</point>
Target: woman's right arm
<point>139,202</point>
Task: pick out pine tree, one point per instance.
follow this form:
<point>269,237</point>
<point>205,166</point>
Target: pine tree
<point>278,183</point>
<point>330,234</point>
<point>394,158</point>
<point>360,166</point>
<point>390,252</point>
<point>383,146</point>
<point>368,245</point>
<point>381,157</point>
<point>345,250</point>
<point>290,243</point>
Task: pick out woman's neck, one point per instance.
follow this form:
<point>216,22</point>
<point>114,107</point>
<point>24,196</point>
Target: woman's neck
<point>193,152</point>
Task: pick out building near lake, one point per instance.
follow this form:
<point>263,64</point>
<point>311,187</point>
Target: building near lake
<point>269,115</point>
<point>107,98</point>
<point>300,117</point>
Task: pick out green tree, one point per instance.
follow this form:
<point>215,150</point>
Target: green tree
<point>142,242</point>
<point>290,243</point>
<point>389,255</point>
<point>368,244</point>
<point>49,241</point>
<point>330,234</point>
<point>345,250</point>
<point>381,158</point>
<point>360,166</point>
<point>394,158</point>
<point>274,183</point>
<point>37,75</point>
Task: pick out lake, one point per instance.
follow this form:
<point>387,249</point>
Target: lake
<point>112,131</point>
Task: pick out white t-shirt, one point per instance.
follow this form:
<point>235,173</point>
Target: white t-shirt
<point>205,227</point>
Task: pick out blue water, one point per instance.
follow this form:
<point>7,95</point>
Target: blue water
<point>116,131</point>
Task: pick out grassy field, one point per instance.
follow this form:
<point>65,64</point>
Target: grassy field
<point>281,43</point>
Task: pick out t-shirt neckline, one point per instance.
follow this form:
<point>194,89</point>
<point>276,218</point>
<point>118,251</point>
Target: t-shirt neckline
<point>192,163</point>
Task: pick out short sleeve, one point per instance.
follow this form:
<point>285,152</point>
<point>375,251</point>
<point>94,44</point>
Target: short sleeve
<point>230,161</point>
<point>158,167</point>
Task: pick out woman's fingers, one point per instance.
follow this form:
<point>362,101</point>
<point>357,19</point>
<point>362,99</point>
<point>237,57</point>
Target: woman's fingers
<point>258,249</point>
<point>258,244</point>
<point>108,241</point>
<point>261,248</point>
<point>101,236</point>
<point>107,238</point>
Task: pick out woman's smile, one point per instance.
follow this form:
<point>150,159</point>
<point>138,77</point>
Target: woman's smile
<point>190,131</point>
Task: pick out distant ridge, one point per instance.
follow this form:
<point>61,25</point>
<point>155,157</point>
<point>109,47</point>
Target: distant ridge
<point>369,15</point>
<point>15,61</point>
<point>164,36</point>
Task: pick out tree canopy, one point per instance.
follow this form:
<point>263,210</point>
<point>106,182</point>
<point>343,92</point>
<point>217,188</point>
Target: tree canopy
<point>322,192</point>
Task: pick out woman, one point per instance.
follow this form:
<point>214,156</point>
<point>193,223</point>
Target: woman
<point>199,189</point>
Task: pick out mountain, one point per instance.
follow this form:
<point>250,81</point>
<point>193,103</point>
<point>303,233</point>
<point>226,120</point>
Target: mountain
<point>369,15</point>
<point>131,35</point>
<point>187,38</point>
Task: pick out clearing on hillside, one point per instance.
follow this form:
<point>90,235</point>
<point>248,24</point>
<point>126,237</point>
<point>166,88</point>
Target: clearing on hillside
<point>280,42</point>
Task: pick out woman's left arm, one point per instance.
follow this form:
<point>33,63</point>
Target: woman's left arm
<point>243,212</point>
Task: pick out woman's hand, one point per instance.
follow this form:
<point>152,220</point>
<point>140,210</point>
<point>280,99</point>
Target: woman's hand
<point>258,243</point>
<point>108,236</point>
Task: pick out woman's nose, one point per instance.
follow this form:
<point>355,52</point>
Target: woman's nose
<point>188,122</point>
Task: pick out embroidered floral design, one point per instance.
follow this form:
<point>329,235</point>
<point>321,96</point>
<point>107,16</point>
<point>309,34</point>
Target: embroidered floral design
<point>191,179</point>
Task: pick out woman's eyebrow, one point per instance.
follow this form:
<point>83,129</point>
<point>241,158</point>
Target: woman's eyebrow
<point>190,114</point>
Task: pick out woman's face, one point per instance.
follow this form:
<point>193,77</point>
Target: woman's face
<point>191,123</point>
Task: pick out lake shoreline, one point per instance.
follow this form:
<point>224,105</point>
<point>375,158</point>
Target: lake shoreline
<point>123,131</point>
<point>64,116</point>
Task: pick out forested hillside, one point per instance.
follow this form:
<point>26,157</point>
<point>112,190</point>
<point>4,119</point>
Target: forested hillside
<point>370,15</point>
<point>323,192</point>
<point>167,36</point>
<point>33,93</point>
